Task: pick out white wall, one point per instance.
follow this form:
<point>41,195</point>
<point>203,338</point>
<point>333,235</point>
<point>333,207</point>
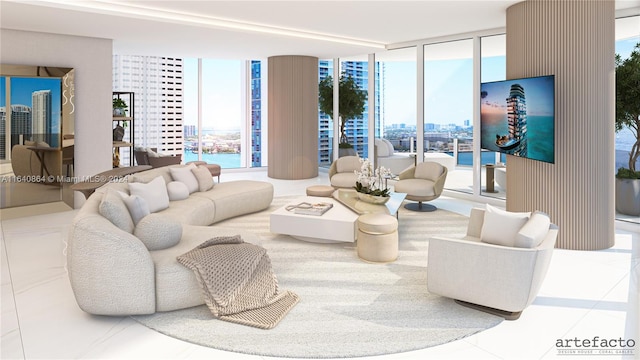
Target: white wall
<point>91,58</point>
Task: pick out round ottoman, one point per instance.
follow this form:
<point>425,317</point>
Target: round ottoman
<point>320,190</point>
<point>377,237</point>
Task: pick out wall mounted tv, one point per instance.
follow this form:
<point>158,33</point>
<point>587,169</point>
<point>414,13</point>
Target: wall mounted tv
<point>517,117</point>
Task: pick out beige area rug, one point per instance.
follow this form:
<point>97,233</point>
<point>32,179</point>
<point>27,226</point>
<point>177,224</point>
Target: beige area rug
<point>347,308</point>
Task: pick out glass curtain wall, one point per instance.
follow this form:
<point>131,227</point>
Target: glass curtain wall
<point>627,38</point>
<point>357,128</point>
<point>325,122</point>
<point>493,66</point>
<point>232,129</point>
<point>448,110</point>
<point>397,104</point>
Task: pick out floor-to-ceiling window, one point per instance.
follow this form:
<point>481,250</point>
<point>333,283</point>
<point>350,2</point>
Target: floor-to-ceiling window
<point>225,114</point>
<point>493,66</point>
<point>396,108</point>
<point>448,110</point>
<point>325,122</point>
<point>627,38</point>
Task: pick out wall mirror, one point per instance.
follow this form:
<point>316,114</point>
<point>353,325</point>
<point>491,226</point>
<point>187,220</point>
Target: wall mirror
<point>37,135</point>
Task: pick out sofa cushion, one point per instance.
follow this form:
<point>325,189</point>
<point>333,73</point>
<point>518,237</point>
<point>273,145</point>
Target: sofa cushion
<point>203,175</point>
<point>428,170</point>
<point>148,175</point>
<point>500,227</point>
<point>136,205</point>
<point>114,209</point>
<point>158,232</point>
<point>238,197</point>
<point>154,193</point>
<point>382,148</point>
<point>348,164</point>
<point>177,190</point>
<point>534,231</point>
<point>184,174</point>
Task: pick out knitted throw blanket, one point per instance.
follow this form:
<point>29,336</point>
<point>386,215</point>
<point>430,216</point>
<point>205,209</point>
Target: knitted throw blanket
<point>238,283</point>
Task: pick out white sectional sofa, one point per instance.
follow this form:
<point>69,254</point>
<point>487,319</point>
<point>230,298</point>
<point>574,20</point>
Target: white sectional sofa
<point>129,268</point>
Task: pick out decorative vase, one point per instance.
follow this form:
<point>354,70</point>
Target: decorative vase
<point>119,112</point>
<point>372,199</point>
<point>118,133</point>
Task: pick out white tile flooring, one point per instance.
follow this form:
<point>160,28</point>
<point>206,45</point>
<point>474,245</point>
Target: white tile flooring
<point>585,294</point>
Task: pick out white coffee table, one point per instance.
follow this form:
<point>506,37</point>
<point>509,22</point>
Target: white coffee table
<point>336,225</point>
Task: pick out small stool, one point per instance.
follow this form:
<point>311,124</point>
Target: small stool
<point>214,169</point>
<point>320,190</point>
<point>377,237</point>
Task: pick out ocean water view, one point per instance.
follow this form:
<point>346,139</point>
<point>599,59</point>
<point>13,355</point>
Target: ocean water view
<point>225,160</point>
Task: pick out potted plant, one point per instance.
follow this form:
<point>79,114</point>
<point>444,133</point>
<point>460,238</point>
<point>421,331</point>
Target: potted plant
<point>351,105</point>
<point>371,185</point>
<point>119,107</point>
<point>628,117</point>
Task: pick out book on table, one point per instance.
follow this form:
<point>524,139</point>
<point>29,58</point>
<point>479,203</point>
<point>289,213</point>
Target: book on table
<point>305,208</point>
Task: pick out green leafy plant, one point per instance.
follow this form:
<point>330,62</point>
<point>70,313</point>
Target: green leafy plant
<point>624,173</point>
<point>628,106</point>
<point>351,103</point>
<point>119,104</point>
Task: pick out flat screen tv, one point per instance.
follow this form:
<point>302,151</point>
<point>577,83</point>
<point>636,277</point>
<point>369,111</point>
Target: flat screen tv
<point>517,117</point>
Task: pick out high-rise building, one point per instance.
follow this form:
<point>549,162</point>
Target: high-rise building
<point>21,127</point>
<point>256,113</point>
<point>158,86</point>
<point>41,119</point>
<point>356,129</point>
<point>190,131</point>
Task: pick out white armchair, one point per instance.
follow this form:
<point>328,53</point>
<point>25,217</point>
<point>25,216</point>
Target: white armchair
<point>341,172</point>
<point>498,279</point>
<point>423,182</point>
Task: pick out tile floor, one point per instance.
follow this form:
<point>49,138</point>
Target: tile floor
<point>585,294</point>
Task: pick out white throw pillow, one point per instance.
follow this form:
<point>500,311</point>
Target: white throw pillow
<point>534,231</point>
<point>203,175</point>
<point>500,227</point>
<point>177,191</point>
<point>137,206</point>
<point>157,231</point>
<point>154,193</point>
<point>184,174</point>
<point>114,209</point>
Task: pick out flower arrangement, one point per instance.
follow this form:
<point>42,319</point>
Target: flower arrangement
<point>370,181</point>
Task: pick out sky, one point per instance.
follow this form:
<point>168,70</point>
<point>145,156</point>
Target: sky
<point>22,88</point>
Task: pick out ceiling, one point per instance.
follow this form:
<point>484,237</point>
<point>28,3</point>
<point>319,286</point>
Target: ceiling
<point>258,29</point>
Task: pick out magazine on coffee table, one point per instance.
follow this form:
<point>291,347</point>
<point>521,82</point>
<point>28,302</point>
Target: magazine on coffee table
<point>305,208</point>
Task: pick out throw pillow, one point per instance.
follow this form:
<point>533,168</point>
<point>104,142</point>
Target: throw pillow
<point>203,175</point>
<point>500,227</point>
<point>154,193</point>
<point>157,231</point>
<point>177,191</point>
<point>534,231</point>
<point>113,208</point>
<point>137,206</point>
<point>184,174</point>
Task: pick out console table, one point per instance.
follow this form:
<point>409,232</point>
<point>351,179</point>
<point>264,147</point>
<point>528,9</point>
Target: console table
<point>88,187</point>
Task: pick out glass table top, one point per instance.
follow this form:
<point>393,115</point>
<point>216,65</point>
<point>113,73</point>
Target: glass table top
<point>349,198</point>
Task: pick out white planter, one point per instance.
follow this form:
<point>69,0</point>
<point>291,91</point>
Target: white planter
<point>628,196</point>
